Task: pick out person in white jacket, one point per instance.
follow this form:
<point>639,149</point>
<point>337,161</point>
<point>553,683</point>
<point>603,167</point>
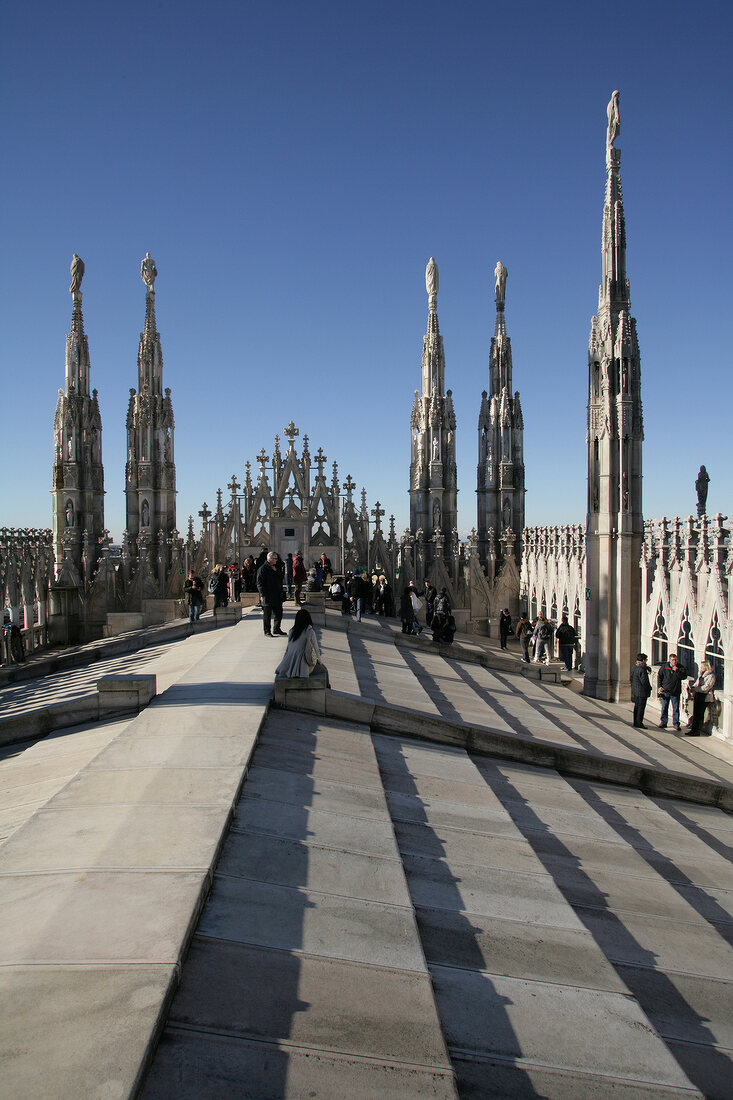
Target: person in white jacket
<point>302,656</point>
<point>702,689</point>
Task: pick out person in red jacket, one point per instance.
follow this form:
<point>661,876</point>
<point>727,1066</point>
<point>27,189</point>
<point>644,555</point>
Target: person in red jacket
<point>299,575</point>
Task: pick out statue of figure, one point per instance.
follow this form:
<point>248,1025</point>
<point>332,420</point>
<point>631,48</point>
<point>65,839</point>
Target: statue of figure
<point>702,490</point>
<point>77,274</point>
<point>69,514</point>
<point>500,274</point>
<point>436,515</point>
<point>435,449</point>
<point>614,122</point>
<point>148,272</point>
<point>506,513</point>
<point>146,514</point>
<point>431,278</point>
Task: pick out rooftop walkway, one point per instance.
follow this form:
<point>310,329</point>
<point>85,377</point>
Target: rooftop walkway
<point>365,914</point>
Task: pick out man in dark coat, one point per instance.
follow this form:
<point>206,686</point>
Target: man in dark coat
<point>641,689</point>
<point>669,689</point>
<point>194,590</point>
<point>566,639</point>
<point>270,588</point>
<point>505,625</point>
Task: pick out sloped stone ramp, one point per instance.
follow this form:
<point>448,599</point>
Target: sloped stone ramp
<point>396,918</point>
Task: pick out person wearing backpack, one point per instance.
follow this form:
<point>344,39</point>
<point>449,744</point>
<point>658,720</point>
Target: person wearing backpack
<point>441,614</point>
<point>544,639</point>
<point>524,633</point>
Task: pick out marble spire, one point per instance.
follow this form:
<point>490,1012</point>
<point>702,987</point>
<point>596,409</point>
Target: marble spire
<point>500,488</point>
<point>150,474</point>
<point>433,491</point>
<point>614,433</point>
<point>78,474</point>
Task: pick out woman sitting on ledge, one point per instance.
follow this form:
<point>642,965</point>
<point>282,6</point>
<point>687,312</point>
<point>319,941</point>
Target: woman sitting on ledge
<point>302,657</point>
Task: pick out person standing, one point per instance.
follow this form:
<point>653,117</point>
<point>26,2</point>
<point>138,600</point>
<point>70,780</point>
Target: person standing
<point>441,613</point>
<point>566,639</point>
<point>249,572</point>
<point>505,625</point>
<point>431,593</point>
<point>543,633</point>
<point>356,592</point>
<point>524,633</point>
<point>289,575</point>
<point>270,588</point>
<point>641,688</point>
<point>299,575</point>
<point>194,589</point>
<point>703,693</point>
<point>669,689</point>
<point>221,587</point>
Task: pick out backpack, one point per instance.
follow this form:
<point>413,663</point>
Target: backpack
<point>441,605</point>
<point>544,633</point>
<point>212,583</point>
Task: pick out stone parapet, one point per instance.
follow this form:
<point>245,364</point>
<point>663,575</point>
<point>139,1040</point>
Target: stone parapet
<point>123,694</point>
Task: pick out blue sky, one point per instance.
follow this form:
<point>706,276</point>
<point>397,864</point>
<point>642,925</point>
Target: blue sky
<point>292,166</point>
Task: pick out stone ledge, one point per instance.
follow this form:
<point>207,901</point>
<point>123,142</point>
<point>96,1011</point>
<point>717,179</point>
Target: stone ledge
<point>302,695</point>
<point>122,694</point>
<point>230,614</point>
<point>116,697</point>
<point>41,664</point>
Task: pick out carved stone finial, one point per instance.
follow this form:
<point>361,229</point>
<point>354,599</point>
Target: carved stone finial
<point>500,274</point>
<point>701,485</point>
<point>148,272</point>
<point>431,282</point>
<point>614,126</point>
<point>77,274</point>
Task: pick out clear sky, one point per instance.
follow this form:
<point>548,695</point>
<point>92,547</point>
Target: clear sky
<point>291,166</point>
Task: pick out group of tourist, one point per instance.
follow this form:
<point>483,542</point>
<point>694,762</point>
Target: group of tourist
<point>359,593</point>
<point>670,678</point>
<point>438,612</point>
<point>537,638</point>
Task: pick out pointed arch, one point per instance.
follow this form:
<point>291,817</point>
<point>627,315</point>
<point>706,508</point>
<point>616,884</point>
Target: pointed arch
<point>686,643</point>
<point>660,641</point>
<point>715,654</point>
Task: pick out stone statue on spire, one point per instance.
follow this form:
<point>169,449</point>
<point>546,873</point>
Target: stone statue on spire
<point>500,274</point>
<point>614,123</point>
<point>431,282</point>
<point>148,272</point>
<point>77,274</point>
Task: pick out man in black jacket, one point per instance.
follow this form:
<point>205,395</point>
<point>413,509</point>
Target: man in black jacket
<point>270,588</point>
<point>566,639</point>
<point>669,689</point>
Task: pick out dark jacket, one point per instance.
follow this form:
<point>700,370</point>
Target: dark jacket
<point>194,590</point>
<point>270,585</point>
<point>356,587</point>
<point>641,687</point>
<point>669,680</point>
<point>222,583</point>
<point>566,634</point>
<point>407,612</point>
<point>505,624</point>
<point>442,604</point>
